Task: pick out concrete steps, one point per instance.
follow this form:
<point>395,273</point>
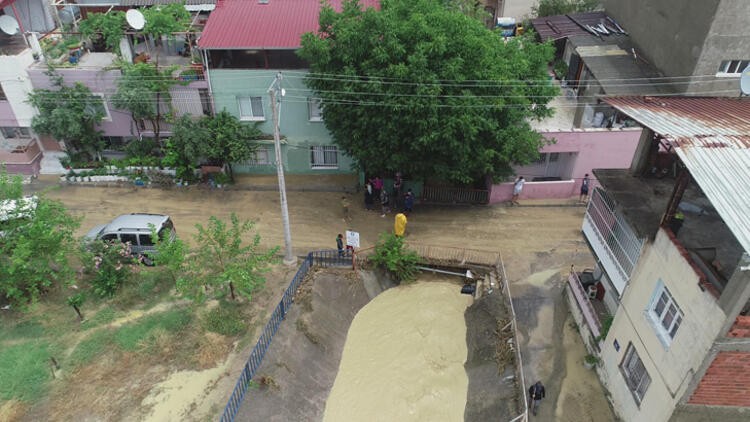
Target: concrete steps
<point>51,163</point>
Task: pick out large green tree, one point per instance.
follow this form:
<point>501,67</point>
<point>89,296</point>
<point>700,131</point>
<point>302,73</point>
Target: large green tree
<point>35,243</point>
<point>422,88</point>
<point>69,113</point>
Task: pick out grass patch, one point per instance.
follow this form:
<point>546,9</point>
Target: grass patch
<point>104,316</point>
<point>24,371</point>
<point>225,319</point>
<point>90,347</point>
<point>28,329</point>
<point>146,289</point>
<point>131,336</point>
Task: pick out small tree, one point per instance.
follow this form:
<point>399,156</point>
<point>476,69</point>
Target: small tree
<point>392,255</point>
<point>68,113</point>
<point>186,146</point>
<point>108,262</point>
<point>222,261</point>
<point>76,301</point>
<point>105,30</point>
<point>230,141</point>
<point>170,256</point>
<point>562,7</point>
<point>34,246</point>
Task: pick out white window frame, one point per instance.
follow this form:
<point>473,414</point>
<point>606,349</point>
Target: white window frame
<point>262,157</point>
<point>635,374</point>
<point>107,115</point>
<point>665,314</point>
<point>324,157</point>
<point>252,116</point>
<point>314,111</point>
<point>732,68</point>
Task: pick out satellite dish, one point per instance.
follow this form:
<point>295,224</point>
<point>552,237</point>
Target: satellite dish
<point>745,81</point>
<point>8,25</point>
<point>135,19</point>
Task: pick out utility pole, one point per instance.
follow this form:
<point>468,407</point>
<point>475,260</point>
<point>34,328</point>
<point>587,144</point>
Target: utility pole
<point>275,92</point>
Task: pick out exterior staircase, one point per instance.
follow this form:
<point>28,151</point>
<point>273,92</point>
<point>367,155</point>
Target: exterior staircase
<point>51,163</point>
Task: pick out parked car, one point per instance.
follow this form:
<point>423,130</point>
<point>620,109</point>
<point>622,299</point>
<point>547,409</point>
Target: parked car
<point>136,229</point>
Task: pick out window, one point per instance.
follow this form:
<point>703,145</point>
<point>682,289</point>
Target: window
<point>324,157</point>
<point>314,110</point>
<point>2,94</point>
<point>15,132</point>
<point>251,108</point>
<point>98,104</point>
<point>126,237</point>
<point>733,67</point>
<point>145,240</point>
<point>665,314</point>
<point>635,373</point>
<point>109,238</point>
<point>262,157</point>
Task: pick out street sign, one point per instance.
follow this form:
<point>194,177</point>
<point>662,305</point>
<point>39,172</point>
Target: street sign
<point>352,239</point>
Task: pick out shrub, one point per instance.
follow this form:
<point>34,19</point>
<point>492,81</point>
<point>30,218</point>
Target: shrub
<point>108,262</point>
<point>225,319</point>
<point>392,255</point>
<point>132,336</point>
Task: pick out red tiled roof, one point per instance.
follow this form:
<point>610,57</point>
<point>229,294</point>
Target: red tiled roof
<point>249,24</point>
<point>741,327</point>
<point>726,382</point>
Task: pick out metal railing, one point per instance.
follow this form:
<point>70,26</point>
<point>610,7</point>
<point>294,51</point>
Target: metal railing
<point>447,195</point>
<point>587,309</point>
<point>322,258</point>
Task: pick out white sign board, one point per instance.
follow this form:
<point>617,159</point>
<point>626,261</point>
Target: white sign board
<point>352,239</point>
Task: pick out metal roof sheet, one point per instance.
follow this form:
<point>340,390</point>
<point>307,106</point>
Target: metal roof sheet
<point>712,138</point>
<point>155,2</point>
<point>277,24</point>
<point>563,26</point>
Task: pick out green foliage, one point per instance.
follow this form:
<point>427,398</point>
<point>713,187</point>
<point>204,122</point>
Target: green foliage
<point>28,329</point>
<point>561,69</point>
<point>427,90</point>
<point>139,90</point>
<point>166,19</point>
<point>90,347</point>
<point>221,139</point>
<point>170,256</point>
<point>34,249</point>
<point>11,186</point>
<point>606,325</point>
<point>76,300</point>
<point>68,113</point>
<point>24,371</point>
<point>562,7</point>
<point>108,262</point>
<point>104,316</point>
<point>132,336</point>
<point>471,8</point>
<point>222,261</point>
<point>391,254</point>
<point>104,28</point>
<point>141,149</point>
<point>225,319</point>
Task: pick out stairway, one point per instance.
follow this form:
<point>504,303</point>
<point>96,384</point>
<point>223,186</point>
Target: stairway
<point>51,163</point>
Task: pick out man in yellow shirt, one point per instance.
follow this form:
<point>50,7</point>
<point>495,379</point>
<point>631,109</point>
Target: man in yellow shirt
<point>399,226</point>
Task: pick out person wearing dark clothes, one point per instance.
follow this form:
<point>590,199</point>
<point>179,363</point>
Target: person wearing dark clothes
<point>340,244</point>
<point>408,201</point>
<point>584,189</point>
<point>536,394</point>
<point>397,185</point>
<point>368,196</point>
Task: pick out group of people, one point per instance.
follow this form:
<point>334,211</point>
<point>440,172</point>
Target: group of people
<point>375,191</point>
<point>518,188</point>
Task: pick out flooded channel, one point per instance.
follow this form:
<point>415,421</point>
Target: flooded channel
<point>404,357</point>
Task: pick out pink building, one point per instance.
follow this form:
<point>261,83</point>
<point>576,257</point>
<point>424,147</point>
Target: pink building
<point>563,164</point>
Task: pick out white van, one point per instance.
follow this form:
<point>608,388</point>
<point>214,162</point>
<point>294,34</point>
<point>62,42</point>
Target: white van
<point>135,229</point>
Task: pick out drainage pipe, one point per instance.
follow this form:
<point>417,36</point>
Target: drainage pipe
<point>435,270</point>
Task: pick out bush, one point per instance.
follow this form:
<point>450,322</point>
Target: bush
<point>108,262</point>
<point>391,254</point>
<point>132,336</point>
<point>24,371</point>
<point>147,147</point>
<point>225,319</point>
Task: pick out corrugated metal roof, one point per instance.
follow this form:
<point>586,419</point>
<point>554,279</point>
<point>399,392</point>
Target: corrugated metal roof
<point>278,24</point>
<point>564,26</point>
<point>712,138</point>
<point>154,2</point>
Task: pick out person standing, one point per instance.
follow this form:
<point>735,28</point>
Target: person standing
<point>584,189</point>
<point>397,184</point>
<point>377,186</point>
<point>368,196</point>
<point>408,201</point>
<point>340,244</point>
<point>399,225</point>
<point>517,189</point>
<point>536,394</point>
<point>384,200</point>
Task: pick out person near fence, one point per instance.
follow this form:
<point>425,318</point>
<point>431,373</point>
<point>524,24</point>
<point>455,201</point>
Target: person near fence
<point>584,189</point>
<point>517,189</point>
<point>536,394</point>
<point>397,194</point>
<point>377,186</point>
<point>408,202</point>
<point>340,244</point>
<point>369,199</point>
<point>384,201</point>
<point>399,225</point>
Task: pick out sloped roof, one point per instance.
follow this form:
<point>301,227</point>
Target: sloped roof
<point>564,26</point>
<point>725,382</point>
<point>712,138</point>
<point>251,25</point>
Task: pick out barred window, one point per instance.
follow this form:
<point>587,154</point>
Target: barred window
<point>635,373</point>
<point>324,157</point>
<point>262,157</point>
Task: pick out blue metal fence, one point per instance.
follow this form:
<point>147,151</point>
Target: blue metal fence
<point>328,258</point>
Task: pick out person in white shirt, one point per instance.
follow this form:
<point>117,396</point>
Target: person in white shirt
<point>517,188</point>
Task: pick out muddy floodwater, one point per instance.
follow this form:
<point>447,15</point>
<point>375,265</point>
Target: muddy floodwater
<point>404,358</point>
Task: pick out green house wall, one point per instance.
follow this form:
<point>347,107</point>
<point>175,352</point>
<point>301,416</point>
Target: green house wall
<point>297,131</point>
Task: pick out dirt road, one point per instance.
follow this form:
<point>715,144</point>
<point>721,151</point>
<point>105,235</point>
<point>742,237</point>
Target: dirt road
<point>538,242</point>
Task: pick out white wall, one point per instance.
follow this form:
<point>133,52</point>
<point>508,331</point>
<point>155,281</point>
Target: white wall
<point>670,367</point>
<point>17,85</point>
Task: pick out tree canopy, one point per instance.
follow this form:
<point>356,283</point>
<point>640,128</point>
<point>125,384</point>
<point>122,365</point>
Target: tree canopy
<point>421,88</point>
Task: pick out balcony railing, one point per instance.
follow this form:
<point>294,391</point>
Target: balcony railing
<point>587,309</point>
<point>615,244</point>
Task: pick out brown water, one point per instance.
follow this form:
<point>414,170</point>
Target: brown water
<point>404,356</point>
